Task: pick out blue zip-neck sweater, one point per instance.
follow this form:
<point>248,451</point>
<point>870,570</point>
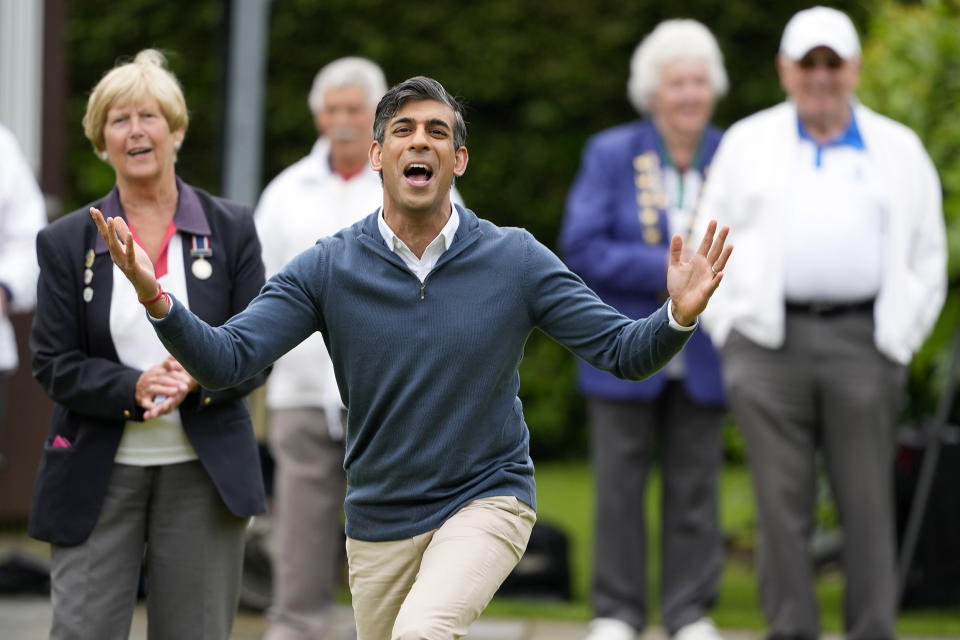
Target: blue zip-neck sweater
<point>428,370</point>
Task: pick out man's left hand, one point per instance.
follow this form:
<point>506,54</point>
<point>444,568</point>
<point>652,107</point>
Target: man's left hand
<point>690,283</point>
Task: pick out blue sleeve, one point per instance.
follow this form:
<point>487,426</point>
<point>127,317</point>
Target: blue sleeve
<point>247,282</point>
<point>588,238</point>
<point>282,316</point>
<point>572,314</point>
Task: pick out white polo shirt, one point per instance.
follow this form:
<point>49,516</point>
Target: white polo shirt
<point>835,196</point>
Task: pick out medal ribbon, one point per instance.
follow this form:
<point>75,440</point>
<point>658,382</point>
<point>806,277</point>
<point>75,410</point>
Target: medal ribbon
<point>200,247</point>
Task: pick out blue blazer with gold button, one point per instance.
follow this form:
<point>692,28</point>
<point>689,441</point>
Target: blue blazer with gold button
<point>615,235</point>
<point>75,360</point>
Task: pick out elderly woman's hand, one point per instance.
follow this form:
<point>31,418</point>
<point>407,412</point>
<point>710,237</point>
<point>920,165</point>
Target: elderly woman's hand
<point>160,390</point>
<point>163,388</point>
<point>133,262</point>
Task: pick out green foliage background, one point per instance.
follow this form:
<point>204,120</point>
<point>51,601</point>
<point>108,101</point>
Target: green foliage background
<point>912,74</point>
<point>537,78</point>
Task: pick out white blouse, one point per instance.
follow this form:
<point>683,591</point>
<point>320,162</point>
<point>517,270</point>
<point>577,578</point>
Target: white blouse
<point>160,440</point>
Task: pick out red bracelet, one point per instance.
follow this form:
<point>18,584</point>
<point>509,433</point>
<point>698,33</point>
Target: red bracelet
<point>159,295</point>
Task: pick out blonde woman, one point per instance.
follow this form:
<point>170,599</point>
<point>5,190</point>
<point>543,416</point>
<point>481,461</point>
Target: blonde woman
<point>142,466</point>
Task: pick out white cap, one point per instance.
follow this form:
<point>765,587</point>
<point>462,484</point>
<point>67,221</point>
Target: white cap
<point>820,27</point>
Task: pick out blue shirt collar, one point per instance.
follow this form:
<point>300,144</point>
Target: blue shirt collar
<point>850,137</point>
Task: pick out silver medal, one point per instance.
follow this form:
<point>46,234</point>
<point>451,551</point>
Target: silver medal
<point>201,269</point>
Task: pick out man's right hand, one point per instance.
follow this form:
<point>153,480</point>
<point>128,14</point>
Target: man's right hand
<point>133,262</point>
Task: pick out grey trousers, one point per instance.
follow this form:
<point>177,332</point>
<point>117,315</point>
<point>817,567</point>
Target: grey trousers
<point>309,484</point>
<point>171,520</point>
<point>827,388</point>
<point>626,438</point>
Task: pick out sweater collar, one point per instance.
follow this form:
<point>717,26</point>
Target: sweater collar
<point>468,231</point>
<point>469,222</point>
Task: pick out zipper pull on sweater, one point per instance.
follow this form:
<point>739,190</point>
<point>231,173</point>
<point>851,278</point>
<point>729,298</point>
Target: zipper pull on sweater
<point>422,287</point>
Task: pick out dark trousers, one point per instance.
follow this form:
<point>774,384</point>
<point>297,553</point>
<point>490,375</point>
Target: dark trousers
<point>827,388</point>
<point>626,438</point>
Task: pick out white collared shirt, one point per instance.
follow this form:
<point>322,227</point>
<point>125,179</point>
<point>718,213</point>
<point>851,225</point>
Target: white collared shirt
<point>422,266</point>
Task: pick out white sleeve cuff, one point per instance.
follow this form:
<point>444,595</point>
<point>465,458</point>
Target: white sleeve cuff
<point>676,325</point>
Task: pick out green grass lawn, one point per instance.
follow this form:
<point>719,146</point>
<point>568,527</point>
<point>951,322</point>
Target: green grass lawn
<point>565,498</point>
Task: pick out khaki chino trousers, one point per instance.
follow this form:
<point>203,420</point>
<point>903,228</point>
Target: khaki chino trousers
<point>434,585</point>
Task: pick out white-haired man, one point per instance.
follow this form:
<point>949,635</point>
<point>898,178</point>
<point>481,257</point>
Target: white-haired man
<point>329,189</point>
<point>841,275</point>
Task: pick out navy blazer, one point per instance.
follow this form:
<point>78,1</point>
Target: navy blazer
<point>75,361</point>
<point>621,251</point>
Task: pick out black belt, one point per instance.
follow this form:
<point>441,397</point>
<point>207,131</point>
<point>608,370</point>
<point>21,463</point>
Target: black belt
<point>828,309</point>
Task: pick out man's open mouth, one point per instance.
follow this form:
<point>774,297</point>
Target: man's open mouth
<point>417,173</point>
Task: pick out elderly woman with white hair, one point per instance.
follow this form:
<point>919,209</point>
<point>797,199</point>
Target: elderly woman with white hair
<point>142,466</point>
<point>638,185</point>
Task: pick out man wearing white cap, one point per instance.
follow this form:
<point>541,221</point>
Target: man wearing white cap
<point>841,274</point>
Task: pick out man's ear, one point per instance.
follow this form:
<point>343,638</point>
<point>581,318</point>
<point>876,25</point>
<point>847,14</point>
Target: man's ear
<point>376,156</point>
<point>460,159</point>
